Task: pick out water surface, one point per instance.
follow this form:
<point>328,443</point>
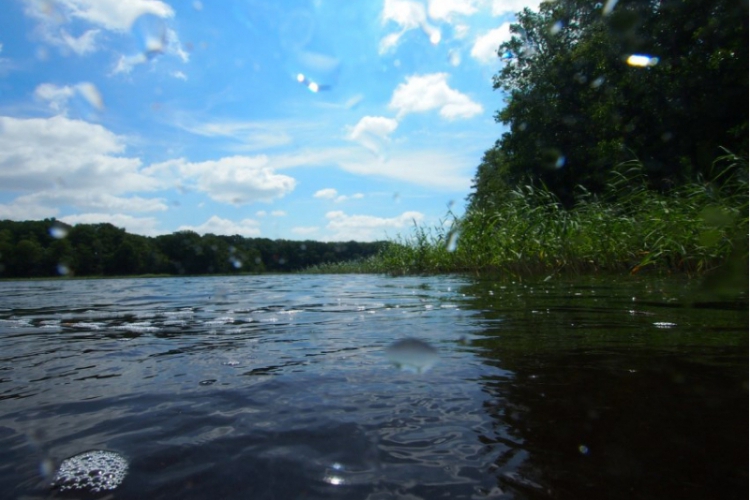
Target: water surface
<point>281,387</point>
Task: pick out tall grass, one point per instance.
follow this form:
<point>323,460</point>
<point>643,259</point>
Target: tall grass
<point>629,228</point>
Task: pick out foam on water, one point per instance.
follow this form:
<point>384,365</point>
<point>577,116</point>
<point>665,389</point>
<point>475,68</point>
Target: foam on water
<point>93,471</point>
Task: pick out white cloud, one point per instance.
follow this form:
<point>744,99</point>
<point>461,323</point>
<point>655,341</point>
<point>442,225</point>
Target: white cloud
<point>428,92</point>
<point>81,45</point>
<point>485,46</point>
<point>372,132</point>
<point>502,7</point>
<point>328,193</point>
<point>251,135</point>
<point>367,227</point>
<point>66,155</point>
<point>445,9</point>
<point>261,213</point>
<point>236,180</point>
<point>408,15</point>
<point>92,200</point>
<point>146,226</point>
<point>433,169</point>
<point>179,75</point>
<point>216,225</point>
<point>114,15</point>
<point>58,97</point>
<point>125,64</point>
<point>56,162</point>
<point>25,211</point>
<point>168,44</point>
<point>278,213</point>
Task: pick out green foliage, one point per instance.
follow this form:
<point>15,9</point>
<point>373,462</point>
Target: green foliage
<point>694,228</point>
<point>575,108</point>
<point>52,248</point>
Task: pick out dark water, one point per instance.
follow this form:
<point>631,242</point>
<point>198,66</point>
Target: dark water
<point>278,387</point>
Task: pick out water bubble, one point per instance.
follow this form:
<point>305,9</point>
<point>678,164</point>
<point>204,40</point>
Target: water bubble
<point>642,61</point>
<point>412,354</point>
<point>93,471</point>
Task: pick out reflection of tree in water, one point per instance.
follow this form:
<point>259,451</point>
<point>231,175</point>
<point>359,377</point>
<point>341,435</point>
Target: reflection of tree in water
<point>603,403</point>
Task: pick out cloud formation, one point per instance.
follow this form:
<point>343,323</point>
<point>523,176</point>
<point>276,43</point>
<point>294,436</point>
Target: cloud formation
<point>236,180</point>
<point>146,226</point>
<point>421,93</point>
<point>65,162</point>
<point>407,15</point>
<point>372,132</point>
<point>248,228</point>
<point>367,227</point>
<point>486,45</point>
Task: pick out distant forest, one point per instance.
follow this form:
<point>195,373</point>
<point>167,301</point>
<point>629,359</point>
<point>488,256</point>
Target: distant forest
<point>52,248</point>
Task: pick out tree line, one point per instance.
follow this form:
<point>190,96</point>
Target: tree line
<point>53,248</point>
<point>588,85</point>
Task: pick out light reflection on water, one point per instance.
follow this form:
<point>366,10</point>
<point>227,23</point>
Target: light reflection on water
<point>282,386</point>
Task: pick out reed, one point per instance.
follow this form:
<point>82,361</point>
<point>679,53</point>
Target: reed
<point>691,229</point>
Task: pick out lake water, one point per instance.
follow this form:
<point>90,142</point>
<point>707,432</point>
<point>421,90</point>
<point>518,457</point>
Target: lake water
<point>280,387</point>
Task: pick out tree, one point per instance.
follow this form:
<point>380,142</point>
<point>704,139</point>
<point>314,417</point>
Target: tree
<point>575,107</point>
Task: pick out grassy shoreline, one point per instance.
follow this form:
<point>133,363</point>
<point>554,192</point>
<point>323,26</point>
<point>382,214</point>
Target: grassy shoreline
<point>696,229</point>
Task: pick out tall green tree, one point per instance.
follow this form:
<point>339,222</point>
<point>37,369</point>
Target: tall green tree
<point>575,107</point>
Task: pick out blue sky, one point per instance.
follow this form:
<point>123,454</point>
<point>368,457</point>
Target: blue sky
<point>303,119</point>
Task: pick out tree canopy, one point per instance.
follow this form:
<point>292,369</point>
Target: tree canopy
<point>589,85</point>
<point>53,248</point>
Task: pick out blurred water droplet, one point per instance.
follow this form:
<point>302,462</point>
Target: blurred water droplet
<point>91,94</point>
<point>58,231</point>
<point>63,270</point>
<point>452,242</point>
<point>583,449</point>
<point>93,471</point>
<point>609,7</point>
<point>556,28</point>
<point>412,354</point>
<point>597,82</point>
<point>642,61</point>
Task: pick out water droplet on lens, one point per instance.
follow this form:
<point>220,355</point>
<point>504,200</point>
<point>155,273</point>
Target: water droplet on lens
<point>412,354</point>
<point>452,242</point>
<point>58,232</point>
<point>642,61</point>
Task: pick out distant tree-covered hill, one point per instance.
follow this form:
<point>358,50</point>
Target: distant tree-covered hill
<point>53,248</point>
